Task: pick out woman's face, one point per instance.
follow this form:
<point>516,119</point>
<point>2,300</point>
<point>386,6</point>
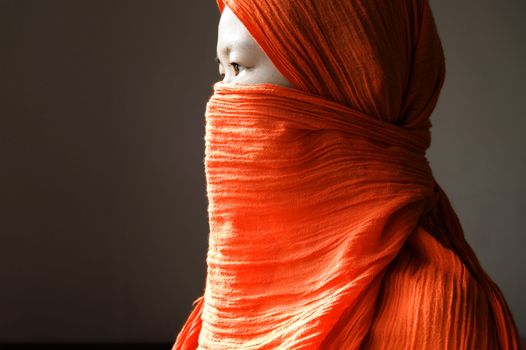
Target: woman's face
<point>241,59</point>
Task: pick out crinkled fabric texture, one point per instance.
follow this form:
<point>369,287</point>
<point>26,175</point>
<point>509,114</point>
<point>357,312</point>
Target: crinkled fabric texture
<point>327,227</point>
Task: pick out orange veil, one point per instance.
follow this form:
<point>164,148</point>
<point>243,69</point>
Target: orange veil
<point>327,228</point>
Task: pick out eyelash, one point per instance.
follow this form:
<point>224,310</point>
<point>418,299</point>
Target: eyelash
<point>233,64</point>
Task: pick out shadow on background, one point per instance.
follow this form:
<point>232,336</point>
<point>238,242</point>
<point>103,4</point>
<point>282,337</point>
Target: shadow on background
<point>103,213</point>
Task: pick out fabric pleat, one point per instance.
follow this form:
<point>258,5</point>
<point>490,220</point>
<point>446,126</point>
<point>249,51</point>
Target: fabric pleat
<point>327,227</point>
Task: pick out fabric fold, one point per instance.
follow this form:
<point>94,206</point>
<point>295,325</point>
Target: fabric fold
<point>290,247</point>
<point>327,227</point>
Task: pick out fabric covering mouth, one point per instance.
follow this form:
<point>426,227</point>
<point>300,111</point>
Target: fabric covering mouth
<point>327,227</point>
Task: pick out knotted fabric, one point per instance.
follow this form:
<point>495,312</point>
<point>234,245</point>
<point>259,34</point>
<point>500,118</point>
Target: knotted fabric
<point>327,227</point>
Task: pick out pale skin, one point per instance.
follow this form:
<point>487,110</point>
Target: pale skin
<point>241,60</point>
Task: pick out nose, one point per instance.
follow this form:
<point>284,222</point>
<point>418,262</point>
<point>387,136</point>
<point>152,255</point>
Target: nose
<point>227,78</point>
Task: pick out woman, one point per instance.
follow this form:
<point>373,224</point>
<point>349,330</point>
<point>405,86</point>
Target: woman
<point>327,228</point>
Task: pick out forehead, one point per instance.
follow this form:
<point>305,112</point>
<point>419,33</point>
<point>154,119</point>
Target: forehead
<point>232,34</point>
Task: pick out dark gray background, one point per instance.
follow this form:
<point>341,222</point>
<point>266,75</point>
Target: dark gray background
<point>103,228</point>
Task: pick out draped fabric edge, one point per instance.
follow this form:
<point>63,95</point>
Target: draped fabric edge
<point>442,222</point>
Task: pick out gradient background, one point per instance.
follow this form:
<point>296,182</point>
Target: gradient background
<point>103,227</point>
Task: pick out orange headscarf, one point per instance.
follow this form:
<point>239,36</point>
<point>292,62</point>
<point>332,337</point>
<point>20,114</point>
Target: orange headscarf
<point>327,228</point>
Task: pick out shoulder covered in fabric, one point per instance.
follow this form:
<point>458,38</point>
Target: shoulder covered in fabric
<point>428,287</point>
<point>187,339</point>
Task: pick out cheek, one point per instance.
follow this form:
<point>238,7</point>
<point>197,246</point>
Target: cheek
<point>277,78</point>
<point>268,73</point>
<point>259,74</point>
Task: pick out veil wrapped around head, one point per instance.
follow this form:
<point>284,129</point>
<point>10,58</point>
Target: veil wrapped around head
<point>327,227</point>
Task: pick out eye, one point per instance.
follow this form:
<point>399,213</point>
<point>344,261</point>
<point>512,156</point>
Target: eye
<point>216,60</point>
<point>235,66</point>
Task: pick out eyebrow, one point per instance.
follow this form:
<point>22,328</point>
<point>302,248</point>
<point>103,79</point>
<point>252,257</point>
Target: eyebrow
<point>225,51</point>
<point>228,48</point>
